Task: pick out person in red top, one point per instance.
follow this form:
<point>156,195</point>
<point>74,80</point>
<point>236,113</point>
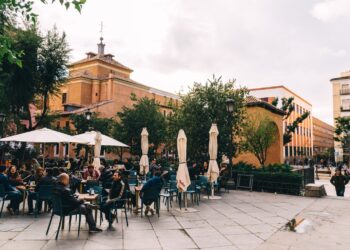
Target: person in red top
<point>91,174</point>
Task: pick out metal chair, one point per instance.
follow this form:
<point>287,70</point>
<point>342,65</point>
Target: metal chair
<point>3,197</point>
<point>44,194</point>
<point>57,209</point>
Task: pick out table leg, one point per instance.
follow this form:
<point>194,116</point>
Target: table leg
<point>137,194</point>
<point>81,188</point>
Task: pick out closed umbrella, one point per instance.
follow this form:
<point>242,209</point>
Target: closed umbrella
<point>182,176</point>
<point>144,162</point>
<point>97,151</point>
<point>213,170</point>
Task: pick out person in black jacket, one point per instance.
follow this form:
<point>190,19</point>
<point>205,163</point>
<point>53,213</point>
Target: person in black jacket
<point>32,195</point>
<point>106,177</point>
<point>71,203</point>
<point>339,181</point>
<point>115,195</point>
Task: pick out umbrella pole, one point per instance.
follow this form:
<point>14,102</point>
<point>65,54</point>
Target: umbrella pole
<point>44,156</point>
<point>212,189</point>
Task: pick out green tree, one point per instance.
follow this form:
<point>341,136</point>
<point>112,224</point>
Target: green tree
<point>144,113</point>
<point>203,105</point>
<point>13,10</point>
<point>45,59</point>
<point>81,125</point>
<point>259,134</point>
<point>342,133</point>
<point>288,107</point>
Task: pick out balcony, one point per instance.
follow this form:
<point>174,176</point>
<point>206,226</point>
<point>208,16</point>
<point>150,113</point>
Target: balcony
<point>345,107</point>
<point>345,91</point>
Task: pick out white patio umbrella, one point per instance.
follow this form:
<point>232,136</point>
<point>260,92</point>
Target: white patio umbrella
<point>97,151</point>
<point>213,170</point>
<point>144,162</point>
<point>182,176</point>
<point>43,135</point>
<point>90,136</point>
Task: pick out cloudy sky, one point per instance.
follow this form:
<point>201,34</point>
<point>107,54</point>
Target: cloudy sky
<point>172,43</point>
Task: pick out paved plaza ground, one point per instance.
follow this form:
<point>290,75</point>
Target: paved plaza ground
<point>240,220</point>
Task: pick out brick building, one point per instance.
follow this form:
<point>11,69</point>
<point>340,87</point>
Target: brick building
<point>322,136</point>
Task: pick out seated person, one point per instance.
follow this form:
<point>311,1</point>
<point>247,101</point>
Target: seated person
<point>70,203</point>
<point>224,175</point>
<point>193,171</point>
<point>154,167</point>
<point>106,177</point>
<point>48,179</point>
<point>13,194</point>
<point>204,168</point>
<point>15,178</point>
<point>116,193</point>
<point>150,191</point>
<point>128,165</point>
<point>91,174</point>
<point>32,194</point>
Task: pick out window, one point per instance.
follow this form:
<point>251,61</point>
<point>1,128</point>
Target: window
<point>290,151</point>
<point>286,151</point>
<point>295,151</point>
<point>58,125</point>
<point>64,98</point>
<point>57,149</point>
<point>67,124</point>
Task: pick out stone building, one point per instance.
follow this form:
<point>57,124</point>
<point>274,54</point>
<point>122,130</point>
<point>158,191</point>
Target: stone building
<point>323,135</point>
<point>341,104</point>
<point>101,84</point>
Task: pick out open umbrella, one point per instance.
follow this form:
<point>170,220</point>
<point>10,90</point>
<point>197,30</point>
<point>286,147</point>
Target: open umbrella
<point>144,162</point>
<point>97,151</point>
<point>90,137</point>
<point>213,170</point>
<point>43,135</point>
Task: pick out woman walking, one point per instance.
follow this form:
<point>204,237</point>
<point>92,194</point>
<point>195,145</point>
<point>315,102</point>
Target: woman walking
<point>339,181</point>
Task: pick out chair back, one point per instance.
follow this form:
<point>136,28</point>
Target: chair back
<point>173,177</point>
<point>2,191</point>
<point>192,186</point>
<point>203,180</point>
<point>132,180</point>
<point>57,207</point>
<point>45,192</point>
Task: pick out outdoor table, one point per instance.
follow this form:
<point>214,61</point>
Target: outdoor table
<point>25,189</point>
<point>90,198</point>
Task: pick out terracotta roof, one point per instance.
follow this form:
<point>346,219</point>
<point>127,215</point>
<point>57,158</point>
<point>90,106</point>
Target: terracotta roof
<point>87,107</point>
<point>340,78</point>
<point>252,101</point>
<point>105,58</point>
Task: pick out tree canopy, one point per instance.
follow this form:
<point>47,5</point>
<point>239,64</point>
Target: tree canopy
<point>145,112</point>
<point>259,134</point>
<point>203,105</point>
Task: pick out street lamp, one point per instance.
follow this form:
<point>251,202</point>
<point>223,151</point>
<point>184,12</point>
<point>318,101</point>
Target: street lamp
<point>230,109</point>
<point>88,115</point>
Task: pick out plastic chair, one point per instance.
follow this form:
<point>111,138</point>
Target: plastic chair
<point>203,184</point>
<point>168,194</point>
<point>121,204</point>
<point>57,209</point>
<point>44,194</point>
<point>191,189</point>
<point>3,197</point>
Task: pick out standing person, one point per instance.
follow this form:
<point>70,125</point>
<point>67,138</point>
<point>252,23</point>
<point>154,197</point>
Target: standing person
<point>70,203</point>
<point>339,181</point>
<point>116,193</point>
<point>13,194</point>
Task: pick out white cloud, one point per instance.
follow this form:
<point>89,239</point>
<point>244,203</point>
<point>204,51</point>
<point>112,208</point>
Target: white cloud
<point>331,10</point>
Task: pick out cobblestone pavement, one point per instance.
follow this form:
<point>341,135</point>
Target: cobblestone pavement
<point>240,220</point>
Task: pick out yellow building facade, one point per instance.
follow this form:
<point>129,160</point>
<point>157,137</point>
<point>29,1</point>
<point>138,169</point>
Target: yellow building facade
<point>101,84</point>
<point>301,145</point>
<point>258,108</point>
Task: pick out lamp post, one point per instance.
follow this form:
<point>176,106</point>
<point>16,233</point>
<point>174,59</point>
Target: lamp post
<point>88,116</point>
<point>230,109</point>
